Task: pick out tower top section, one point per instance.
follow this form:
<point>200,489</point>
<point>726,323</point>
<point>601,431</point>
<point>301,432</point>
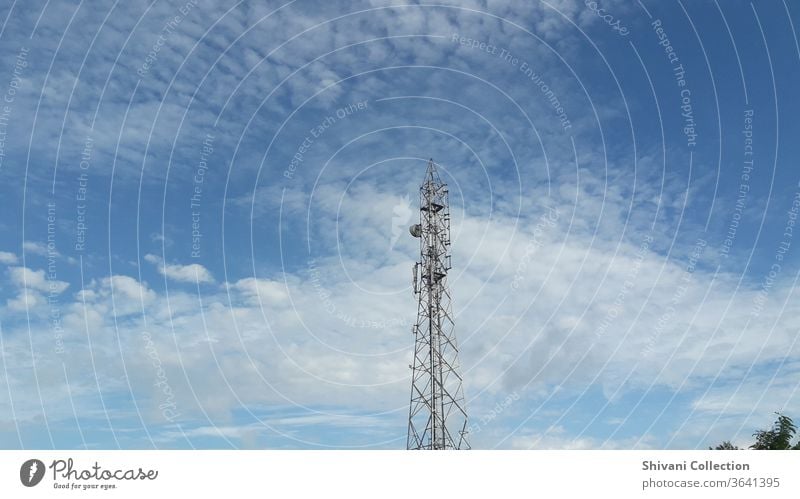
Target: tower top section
<point>432,174</point>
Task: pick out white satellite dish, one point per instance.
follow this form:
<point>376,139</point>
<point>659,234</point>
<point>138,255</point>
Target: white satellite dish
<point>415,230</point>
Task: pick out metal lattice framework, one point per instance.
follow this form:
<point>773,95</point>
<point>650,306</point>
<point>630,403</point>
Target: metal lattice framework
<point>437,416</point>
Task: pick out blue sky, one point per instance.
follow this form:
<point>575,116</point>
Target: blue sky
<point>203,241</point>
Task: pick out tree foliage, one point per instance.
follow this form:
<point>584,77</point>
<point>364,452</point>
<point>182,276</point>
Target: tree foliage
<point>777,437</point>
<point>726,445</point>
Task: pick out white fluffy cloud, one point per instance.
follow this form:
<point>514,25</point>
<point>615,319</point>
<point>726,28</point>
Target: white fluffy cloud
<point>25,300</point>
<point>35,248</point>
<point>36,280</point>
<point>8,258</point>
<point>49,251</point>
<point>192,273</point>
<point>261,290</point>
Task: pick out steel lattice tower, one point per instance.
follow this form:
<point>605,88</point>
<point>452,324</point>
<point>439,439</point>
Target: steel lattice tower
<point>437,416</point>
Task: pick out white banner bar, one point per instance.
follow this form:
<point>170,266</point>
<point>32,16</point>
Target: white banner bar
<point>372,474</point>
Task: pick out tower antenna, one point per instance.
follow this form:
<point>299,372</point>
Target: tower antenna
<point>437,417</point>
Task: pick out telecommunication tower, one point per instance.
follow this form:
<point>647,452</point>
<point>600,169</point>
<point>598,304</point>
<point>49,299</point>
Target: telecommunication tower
<point>437,418</point>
